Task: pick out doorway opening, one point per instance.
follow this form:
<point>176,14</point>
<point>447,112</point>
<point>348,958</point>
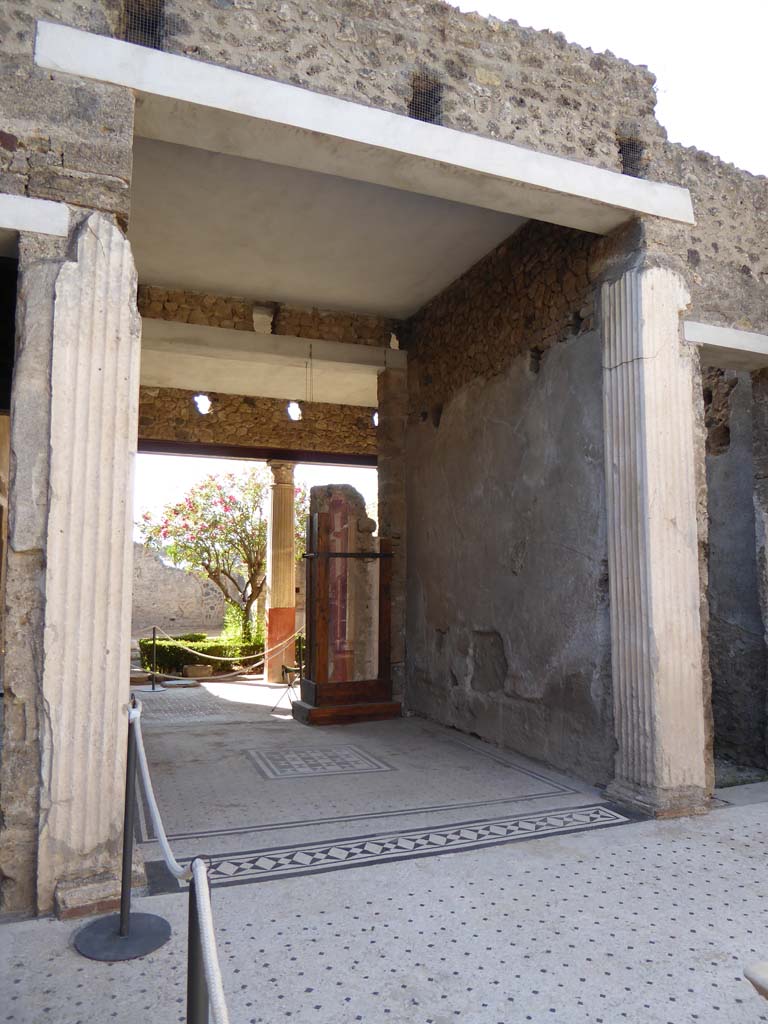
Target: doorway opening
<point>209,567</point>
<point>736,634</point>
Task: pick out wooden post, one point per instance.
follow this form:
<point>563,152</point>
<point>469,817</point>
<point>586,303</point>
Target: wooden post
<point>309,599</point>
<point>385,610</point>
<point>322,603</point>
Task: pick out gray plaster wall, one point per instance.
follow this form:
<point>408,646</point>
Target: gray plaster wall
<point>508,631</point>
<point>737,651</point>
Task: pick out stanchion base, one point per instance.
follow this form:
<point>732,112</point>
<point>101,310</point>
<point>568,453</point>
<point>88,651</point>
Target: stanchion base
<point>100,940</point>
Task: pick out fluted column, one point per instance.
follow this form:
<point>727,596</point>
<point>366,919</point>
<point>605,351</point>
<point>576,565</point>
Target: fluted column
<point>653,545</point>
<point>281,571</point>
<point>88,574</point>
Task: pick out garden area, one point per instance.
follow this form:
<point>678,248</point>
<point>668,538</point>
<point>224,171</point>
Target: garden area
<point>218,532</point>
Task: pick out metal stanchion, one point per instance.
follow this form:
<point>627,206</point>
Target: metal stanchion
<point>197,986</point>
<point>124,936</point>
<point>153,687</point>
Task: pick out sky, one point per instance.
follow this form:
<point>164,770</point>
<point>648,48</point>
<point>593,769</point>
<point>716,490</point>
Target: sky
<point>163,479</point>
<point>708,57</point>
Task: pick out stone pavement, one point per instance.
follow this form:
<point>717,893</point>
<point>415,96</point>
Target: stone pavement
<point>645,922</point>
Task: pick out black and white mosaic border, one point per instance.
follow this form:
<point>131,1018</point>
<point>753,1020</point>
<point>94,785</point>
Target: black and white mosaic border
<point>246,867</point>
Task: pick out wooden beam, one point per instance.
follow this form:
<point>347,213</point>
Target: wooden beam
<point>236,451</point>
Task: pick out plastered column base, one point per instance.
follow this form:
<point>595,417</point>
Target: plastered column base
<point>281,624</point>
<point>660,803</point>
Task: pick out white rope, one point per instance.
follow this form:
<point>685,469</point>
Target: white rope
<point>134,715</point>
<point>208,943</point>
<point>241,661</point>
<point>193,680</point>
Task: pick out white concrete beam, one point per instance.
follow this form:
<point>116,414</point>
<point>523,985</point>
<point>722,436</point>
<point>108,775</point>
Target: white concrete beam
<point>202,358</point>
<point>197,104</point>
<point>727,347</point>
<point>23,213</point>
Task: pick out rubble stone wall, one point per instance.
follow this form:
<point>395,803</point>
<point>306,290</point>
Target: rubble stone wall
<point>527,294</point>
<point>498,79</point>
<point>170,414</point>
<point>172,599</point>
<point>234,312</point>
<point>723,256</point>
<point>62,138</point>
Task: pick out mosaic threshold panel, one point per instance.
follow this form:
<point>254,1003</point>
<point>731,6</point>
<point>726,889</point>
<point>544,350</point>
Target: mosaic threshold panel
<point>297,764</point>
<point>384,824</point>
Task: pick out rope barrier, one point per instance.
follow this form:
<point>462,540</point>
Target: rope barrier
<point>157,822</point>
<point>241,661</point>
<point>223,678</point>
<point>202,938</point>
<point>207,940</point>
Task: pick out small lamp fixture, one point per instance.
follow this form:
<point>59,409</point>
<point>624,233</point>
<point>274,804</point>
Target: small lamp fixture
<point>294,411</point>
<point>375,417</point>
<point>203,404</point>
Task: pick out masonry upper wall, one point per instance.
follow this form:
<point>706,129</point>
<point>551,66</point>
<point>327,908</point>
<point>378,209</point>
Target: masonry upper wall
<point>62,138</point>
<point>534,290</point>
<point>235,313</point>
<point>170,414</point>
<point>67,139</point>
<point>498,79</point>
<point>724,255</point>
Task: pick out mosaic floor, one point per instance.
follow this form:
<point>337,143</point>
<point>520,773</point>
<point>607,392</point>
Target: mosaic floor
<point>485,889</point>
<point>651,923</point>
<point>283,799</point>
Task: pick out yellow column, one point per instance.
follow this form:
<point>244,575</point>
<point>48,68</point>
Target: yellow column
<point>281,572</point>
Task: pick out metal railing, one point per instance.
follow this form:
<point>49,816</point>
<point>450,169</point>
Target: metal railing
<point>127,935</point>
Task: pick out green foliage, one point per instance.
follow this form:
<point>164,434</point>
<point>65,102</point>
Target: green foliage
<point>233,627</point>
<point>172,656</point>
<point>219,531</point>
<point>301,515</point>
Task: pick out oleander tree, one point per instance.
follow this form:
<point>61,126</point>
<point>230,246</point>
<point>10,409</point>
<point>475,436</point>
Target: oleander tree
<point>219,531</point>
<point>301,514</point>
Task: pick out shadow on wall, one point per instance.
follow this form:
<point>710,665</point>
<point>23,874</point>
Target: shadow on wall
<point>508,616</point>
<point>737,650</point>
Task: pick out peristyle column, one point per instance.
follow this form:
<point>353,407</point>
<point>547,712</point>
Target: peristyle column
<point>281,572</point>
<point>653,557</point>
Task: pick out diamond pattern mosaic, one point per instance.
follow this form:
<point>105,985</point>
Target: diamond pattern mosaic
<point>259,865</point>
<point>298,764</point>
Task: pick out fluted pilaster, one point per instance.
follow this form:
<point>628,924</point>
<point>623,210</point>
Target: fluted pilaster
<point>94,408</point>
<point>653,545</point>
